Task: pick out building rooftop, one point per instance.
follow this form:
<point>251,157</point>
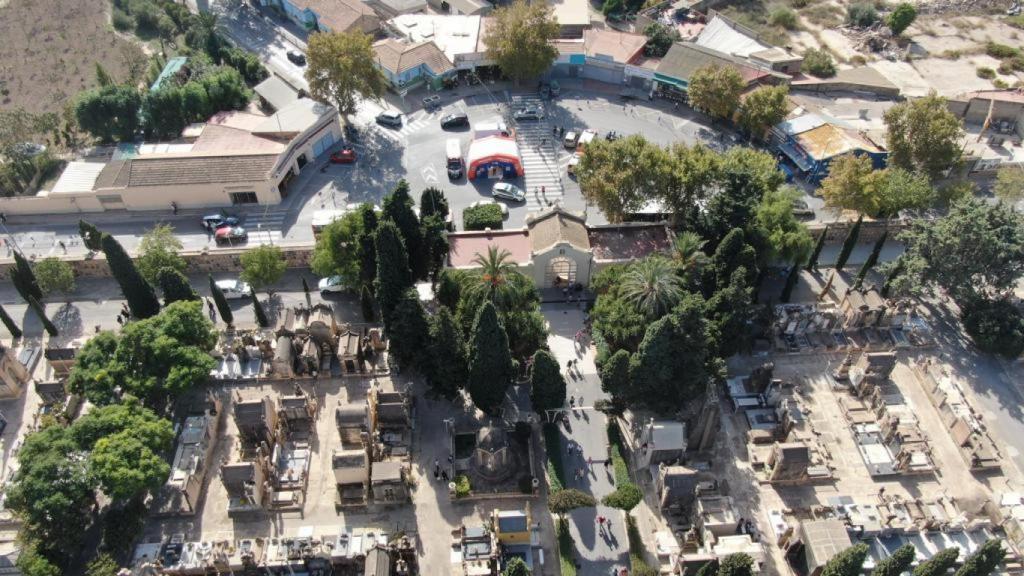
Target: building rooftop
<point>628,241</point>
<point>199,169</point>
<point>571,12</point>
<point>294,118</point>
<point>386,471</point>
<point>726,36</point>
<point>557,225</point>
<point>823,540</point>
<point>618,46</point>
<point>170,69</point>
<point>338,15</point>
<point>276,92</point>
<point>829,140</point>
<point>464,246</point>
<point>397,57</point>
<point>453,34</point>
<point>512,521</point>
<point>78,177</point>
<point>685,58</point>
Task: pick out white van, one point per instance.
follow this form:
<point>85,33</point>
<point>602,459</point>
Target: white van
<point>585,138</point>
<point>321,218</point>
<point>453,153</point>
<point>493,128</point>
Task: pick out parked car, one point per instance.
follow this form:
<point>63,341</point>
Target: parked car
<point>569,141</point>
<point>455,120</point>
<point>344,156</point>
<point>331,285</point>
<point>573,162</point>
<point>504,209</point>
<point>230,234</point>
<point>527,113</point>
<point>555,88</point>
<point>431,101</point>
<point>508,192</point>
<point>234,289</point>
<point>390,119</point>
<point>214,221</point>
<point>296,57</point>
<point>801,209</point>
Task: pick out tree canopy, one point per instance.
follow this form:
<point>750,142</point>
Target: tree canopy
<point>623,175</point>
<point>54,275</point>
<point>109,112</point>
<point>846,563</point>
<point>1009,186</point>
<point>158,249</point>
<point>784,238</point>
<point>547,384</point>
<point>716,90</point>
<point>854,184</point>
<point>139,293</point>
<point>519,39</point>
<point>263,266</point>
<point>923,135</point>
<point>393,275</point>
<point>763,108</point>
<point>490,363</point>
<point>338,250</point>
<point>564,501</point>
<point>342,69</point>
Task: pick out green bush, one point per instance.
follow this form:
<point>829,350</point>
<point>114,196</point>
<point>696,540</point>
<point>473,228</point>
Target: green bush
<point>783,17</point>
<point>901,17</point>
<point>556,471</point>
<point>861,15</point>
<point>618,462</point>
<point>462,486</point>
<point>121,21</point>
<point>482,217</point>
<point>819,63</point>
<point>566,549</point>
<point>986,73</point>
<point>996,326</point>
<point>997,50</point>
<point>1015,21</point>
<point>626,496</point>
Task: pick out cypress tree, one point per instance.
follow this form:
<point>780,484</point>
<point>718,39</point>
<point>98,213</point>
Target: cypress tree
<point>141,297</point>
<point>738,564</point>
<point>432,201</point>
<point>791,280</point>
<point>38,309</point>
<point>547,385</point>
<point>305,289</point>
<point>939,564</point>
<point>846,563</point>
<point>708,569</point>
<point>367,304</point>
<point>222,303</point>
<point>24,279</point>
<point>367,251</point>
<point>812,262</point>
<point>393,275</point>
<point>91,236</point>
<point>409,337</point>
<point>984,561</point>
<point>876,250</point>
<point>490,362</point>
<point>398,208</point>
<point>9,323</point>
<point>175,286</point>
<point>895,271</point>
<point>896,564</point>
<point>849,243</point>
<point>447,370</point>
<point>448,290</point>
<point>257,308</point>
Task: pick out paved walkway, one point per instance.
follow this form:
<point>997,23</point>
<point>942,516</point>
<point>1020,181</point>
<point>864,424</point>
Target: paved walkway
<point>598,552</point>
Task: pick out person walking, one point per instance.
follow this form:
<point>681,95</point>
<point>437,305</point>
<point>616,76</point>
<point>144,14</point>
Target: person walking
<point>444,476</point>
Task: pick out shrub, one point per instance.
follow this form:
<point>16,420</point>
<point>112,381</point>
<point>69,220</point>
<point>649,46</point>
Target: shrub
<point>861,15</point>
<point>556,472</point>
<point>996,326</point>
<point>858,60</point>
<point>625,497</point>
<point>1000,84</point>
<point>1015,21</point>
<point>462,486</point>
<point>482,217</point>
<point>566,549</point>
<point>819,63</point>
<point>986,73</point>
<point>997,50</point>
<point>121,21</point>
<point>783,17</point>
<point>901,17</point>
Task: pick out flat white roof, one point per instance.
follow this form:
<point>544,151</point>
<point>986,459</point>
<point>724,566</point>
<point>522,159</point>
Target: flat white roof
<point>571,12</point>
<point>78,177</point>
<point>719,35</point>
<point>453,34</point>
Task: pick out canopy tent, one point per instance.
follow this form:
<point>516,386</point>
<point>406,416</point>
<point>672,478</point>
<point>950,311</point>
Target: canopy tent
<point>494,157</point>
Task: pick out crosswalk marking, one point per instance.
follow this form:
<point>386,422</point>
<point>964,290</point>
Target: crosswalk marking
<point>411,124</point>
<point>541,157</point>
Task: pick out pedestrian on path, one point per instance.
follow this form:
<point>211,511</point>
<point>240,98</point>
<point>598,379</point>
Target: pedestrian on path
<point>590,461</point>
<point>444,476</point>
<point>600,524</point>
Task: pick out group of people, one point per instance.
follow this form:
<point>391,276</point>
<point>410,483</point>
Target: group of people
<point>440,474</point>
<point>124,315</point>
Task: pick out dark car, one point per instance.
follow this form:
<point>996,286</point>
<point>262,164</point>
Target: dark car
<point>456,120</point>
<point>215,221</point>
<point>390,119</point>
<point>431,101</point>
<point>296,57</point>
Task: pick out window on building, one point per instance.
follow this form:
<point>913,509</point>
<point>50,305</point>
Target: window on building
<point>243,198</point>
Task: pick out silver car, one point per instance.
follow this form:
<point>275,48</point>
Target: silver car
<point>508,192</point>
<point>528,113</point>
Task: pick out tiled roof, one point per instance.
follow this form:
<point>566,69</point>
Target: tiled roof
<point>397,57</point>
<point>620,46</point>
<point>338,15</point>
<point>685,58</point>
<point>557,225</point>
<point>167,171</point>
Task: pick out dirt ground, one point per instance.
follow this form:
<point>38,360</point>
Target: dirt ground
<point>50,49</point>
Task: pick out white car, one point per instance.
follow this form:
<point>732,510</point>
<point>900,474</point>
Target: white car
<point>234,289</point>
<point>573,162</point>
<point>331,285</point>
<point>508,192</point>
<point>504,209</point>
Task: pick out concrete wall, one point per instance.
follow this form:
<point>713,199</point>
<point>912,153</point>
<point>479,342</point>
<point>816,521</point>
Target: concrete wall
<point>56,204</point>
<point>870,230</point>
<point>975,111</point>
<point>191,196</point>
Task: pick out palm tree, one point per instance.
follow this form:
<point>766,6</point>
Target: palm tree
<point>494,267</point>
<point>653,286</point>
<point>689,250</point>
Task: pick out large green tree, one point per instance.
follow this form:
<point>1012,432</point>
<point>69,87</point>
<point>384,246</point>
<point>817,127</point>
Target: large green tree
<point>716,90</point>
<point>159,248</point>
<point>223,308</point>
<point>126,467</point>
<point>54,275</point>
<point>367,250</point>
<point>342,69</point>
<point>1009,185</point>
<point>763,108</point>
<point>516,567</point>
<point>547,385</point>
<point>139,293</point>
<point>410,332</point>
<point>490,362</point>
<point>846,563</point>
<point>398,208</point>
<point>263,266</point>
<point>91,236</point>
<point>975,251</point>
<point>564,501</point>
<point>746,175</point>
<point>985,561</point>
<point>24,278</point>
<point>732,253</point>
<point>519,39</point>
<point>653,286</point>
<point>175,286</point>
<point>854,184</point>
<point>393,275</point>
<point>621,176</point>
<point>730,312</point>
<point>939,564</point>
<point>338,250</point>
<point>615,375</point>
<point>782,237</point>
<point>923,135</point>
<point>896,564</point>
<point>110,112</point>
<point>448,370</point>
<point>849,243</point>
<point>738,564</point>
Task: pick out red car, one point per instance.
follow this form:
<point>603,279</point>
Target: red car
<point>344,156</point>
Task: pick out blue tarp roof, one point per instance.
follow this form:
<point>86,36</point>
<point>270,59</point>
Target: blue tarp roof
<point>172,67</point>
